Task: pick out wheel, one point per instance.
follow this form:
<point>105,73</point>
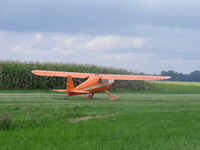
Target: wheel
<point>66,97</point>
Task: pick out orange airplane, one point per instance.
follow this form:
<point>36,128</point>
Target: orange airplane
<point>95,82</point>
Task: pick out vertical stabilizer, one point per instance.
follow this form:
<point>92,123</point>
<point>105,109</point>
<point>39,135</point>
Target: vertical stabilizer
<point>70,83</point>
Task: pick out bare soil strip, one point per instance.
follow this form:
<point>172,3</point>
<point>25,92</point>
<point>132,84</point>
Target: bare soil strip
<point>86,118</point>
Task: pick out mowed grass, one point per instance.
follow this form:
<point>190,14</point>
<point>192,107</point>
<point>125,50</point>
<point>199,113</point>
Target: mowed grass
<point>170,87</point>
<point>175,87</point>
<point>145,121</point>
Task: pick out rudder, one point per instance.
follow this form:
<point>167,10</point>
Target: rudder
<point>70,83</point>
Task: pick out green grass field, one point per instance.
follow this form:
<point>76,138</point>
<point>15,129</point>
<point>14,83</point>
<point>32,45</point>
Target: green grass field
<point>142,121</point>
<point>162,116</point>
<point>173,87</point>
<point>170,87</point>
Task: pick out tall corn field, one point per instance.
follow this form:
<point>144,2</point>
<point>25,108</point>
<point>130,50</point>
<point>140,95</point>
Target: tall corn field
<point>17,75</point>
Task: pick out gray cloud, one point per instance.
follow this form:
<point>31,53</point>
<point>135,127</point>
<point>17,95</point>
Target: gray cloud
<point>103,32</point>
<point>100,17</point>
<point>135,53</point>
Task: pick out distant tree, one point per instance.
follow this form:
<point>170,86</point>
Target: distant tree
<point>171,73</point>
<point>195,76</point>
<point>175,76</point>
<point>187,77</point>
<point>180,77</point>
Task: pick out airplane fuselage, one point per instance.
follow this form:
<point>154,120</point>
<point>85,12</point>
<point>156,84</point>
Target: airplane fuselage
<point>94,84</point>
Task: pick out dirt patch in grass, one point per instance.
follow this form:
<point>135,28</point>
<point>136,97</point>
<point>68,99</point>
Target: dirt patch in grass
<point>86,118</point>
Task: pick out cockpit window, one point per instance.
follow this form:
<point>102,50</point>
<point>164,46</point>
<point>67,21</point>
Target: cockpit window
<point>103,81</point>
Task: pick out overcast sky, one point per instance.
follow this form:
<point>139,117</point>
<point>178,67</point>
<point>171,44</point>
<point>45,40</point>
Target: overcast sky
<point>139,35</point>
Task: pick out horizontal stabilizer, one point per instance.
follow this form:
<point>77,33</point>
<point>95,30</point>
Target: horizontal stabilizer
<point>79,91</point>
<point>73,91</point>
<point>59,90</point>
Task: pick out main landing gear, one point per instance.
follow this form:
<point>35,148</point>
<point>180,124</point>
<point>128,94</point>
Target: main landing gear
<point>90,95</point>
<point>112,97</point>
<point>66,97</point>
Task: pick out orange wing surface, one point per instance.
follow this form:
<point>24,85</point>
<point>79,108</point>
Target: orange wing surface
<point>61,74</point>
<point>103,76</point>
<point>132,77</point>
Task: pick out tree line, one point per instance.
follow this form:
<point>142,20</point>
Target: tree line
<point>178,76</point>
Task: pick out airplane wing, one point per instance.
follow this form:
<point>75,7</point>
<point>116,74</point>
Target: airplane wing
<point>103,76</point>
<point>132,77</point>
<point>61,74</point>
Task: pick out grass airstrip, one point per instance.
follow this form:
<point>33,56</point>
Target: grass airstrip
<point>156,120</point>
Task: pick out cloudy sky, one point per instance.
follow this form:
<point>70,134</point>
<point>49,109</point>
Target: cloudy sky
<point>139,35</point>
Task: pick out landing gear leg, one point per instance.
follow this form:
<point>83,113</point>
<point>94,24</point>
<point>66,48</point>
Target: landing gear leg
<point>90,96</point>
<point>112,97</point>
